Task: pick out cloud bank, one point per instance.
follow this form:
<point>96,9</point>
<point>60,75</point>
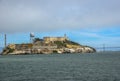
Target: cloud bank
<point>56,15</point>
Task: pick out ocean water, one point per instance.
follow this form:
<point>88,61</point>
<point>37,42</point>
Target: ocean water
<point>61,67</point>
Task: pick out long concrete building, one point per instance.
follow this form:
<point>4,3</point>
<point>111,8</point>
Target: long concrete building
<point>53,39</point>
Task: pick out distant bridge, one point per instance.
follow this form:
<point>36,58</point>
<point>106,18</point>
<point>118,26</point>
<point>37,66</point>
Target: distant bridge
<point>117,48</point>
<point>105,47</point>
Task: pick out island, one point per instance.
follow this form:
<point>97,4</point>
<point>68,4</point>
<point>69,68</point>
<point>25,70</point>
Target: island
<point>48,45</point>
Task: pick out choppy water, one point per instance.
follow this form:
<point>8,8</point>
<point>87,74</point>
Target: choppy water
<point>66,67</point>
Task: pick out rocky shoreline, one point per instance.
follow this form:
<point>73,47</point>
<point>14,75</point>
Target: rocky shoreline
<point>46,51</point>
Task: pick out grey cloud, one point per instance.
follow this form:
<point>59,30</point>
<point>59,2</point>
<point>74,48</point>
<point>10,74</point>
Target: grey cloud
<point>51,15</point>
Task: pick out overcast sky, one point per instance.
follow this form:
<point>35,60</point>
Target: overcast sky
<point>92,20</point>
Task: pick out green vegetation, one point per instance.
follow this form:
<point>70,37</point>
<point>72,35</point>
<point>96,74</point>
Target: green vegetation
<point>10,50</point>
<point>71,42</point>
<point>60,44</point>
<point>63,44</point>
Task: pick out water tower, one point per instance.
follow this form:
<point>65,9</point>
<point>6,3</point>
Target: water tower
<point>31,37</point>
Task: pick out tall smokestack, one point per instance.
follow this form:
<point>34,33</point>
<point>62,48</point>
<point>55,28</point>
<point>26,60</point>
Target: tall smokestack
<point>5,40</point>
